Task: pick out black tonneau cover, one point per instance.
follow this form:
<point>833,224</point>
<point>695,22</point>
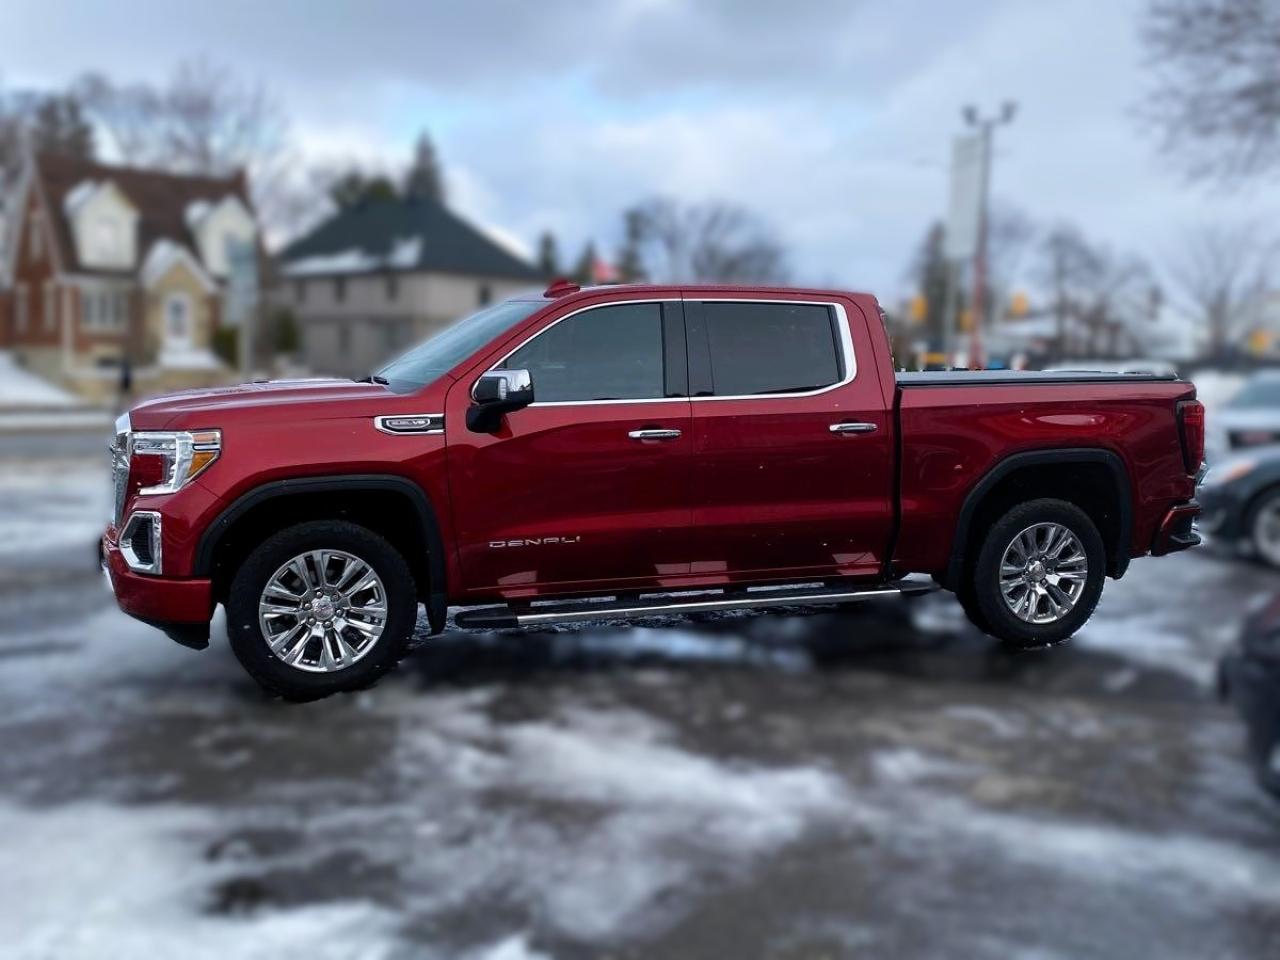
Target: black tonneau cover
<point>988,378</point>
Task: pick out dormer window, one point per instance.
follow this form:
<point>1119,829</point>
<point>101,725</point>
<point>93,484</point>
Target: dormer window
<point>104,224</point>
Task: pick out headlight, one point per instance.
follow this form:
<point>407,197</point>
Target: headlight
<point>166,461</point>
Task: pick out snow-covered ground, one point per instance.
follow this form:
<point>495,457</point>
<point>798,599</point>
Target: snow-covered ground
<point>21,388</point>
<point>875,783</point>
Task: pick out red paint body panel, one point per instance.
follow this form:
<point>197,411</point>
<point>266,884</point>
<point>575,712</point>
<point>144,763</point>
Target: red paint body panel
<point>777,495</point>
<point>157,599</point>
<point>953,436</point>
<point>754,490</point>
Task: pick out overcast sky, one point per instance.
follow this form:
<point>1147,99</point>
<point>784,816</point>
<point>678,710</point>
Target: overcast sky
<point>832,120</point>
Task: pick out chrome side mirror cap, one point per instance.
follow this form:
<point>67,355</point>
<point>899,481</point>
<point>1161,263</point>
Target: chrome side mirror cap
<point>494,395</point>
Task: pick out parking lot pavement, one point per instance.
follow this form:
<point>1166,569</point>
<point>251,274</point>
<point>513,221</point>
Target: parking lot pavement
<point>880,781</point>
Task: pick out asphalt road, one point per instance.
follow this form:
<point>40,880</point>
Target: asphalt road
<point>873,782</point>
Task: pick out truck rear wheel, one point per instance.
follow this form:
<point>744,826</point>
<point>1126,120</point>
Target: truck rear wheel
<point>1039,573</point>
<point>321,607</point>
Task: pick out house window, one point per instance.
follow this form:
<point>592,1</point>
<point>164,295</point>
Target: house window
<point>340,289</point>
<point>103,310</point>
<point>20,307</point>
<point>393,286</point>
<point>484,295</point>
<point>36,237</point>
<point>300,291</point>
<point>49,304</point>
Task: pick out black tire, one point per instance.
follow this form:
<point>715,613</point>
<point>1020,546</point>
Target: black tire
<point>997,618</point>
<point>250,647</point>
<point>1264,549</point>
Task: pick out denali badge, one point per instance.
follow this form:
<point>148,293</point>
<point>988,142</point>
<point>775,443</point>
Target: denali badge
<point>532,542</point>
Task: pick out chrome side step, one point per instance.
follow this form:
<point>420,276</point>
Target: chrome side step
<point>662,605</point>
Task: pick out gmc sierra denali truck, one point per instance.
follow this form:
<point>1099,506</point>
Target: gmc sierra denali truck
<point>633,450</point>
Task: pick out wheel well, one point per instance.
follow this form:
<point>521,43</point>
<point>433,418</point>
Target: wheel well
<point>1091,485</point>
<point>389,513</point>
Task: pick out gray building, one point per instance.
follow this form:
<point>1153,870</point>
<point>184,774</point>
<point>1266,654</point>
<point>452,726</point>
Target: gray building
<point>384,274</point>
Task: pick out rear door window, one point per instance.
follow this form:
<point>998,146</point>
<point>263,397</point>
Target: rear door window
<point>759,349</point>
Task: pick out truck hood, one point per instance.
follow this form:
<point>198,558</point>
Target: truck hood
<point>259,400</point>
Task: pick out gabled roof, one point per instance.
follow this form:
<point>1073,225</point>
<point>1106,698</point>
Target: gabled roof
<point>160,198</point>
<point>400,234</point>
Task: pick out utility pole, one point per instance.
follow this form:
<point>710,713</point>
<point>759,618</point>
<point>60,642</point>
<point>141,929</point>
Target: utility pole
<point>986,128</point>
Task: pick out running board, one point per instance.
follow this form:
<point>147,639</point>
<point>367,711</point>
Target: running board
<point>810,595</point>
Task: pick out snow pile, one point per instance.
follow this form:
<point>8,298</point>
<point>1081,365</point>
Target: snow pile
<point>77,196</point>
<point>403,255</point>
<point>21,388</point>
<point>97,881</point>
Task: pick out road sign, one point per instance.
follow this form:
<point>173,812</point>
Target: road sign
<point>964,216</point>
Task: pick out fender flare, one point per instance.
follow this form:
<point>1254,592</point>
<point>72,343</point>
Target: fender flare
<point>437,590</point>
<point>1118,561</point>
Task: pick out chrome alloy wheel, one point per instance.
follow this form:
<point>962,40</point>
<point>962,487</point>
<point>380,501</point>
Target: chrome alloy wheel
<point>1043,573</point>
<point>322,611</point>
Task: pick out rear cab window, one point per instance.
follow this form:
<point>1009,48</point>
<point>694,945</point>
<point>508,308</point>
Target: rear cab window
<point>760,348</point>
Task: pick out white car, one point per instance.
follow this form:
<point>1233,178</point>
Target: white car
<point>1252,417</point>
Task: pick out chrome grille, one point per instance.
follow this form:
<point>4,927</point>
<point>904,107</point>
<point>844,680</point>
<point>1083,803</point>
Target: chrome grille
<point>119,450</point>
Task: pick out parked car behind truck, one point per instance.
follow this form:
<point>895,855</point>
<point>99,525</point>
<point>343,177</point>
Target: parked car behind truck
<point>647,449</point>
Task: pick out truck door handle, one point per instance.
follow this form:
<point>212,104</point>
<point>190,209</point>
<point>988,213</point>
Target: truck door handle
<point>853,428</point>
<point>654,434</point>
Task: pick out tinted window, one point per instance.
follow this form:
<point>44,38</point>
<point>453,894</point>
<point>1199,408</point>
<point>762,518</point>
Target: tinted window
<point>610,353</point>
<point>451,346</point>
<point>771,347</point>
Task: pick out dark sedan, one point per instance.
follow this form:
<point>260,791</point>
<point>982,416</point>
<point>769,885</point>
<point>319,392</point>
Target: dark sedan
<point>1240,498</point>
<point>1250,680</point>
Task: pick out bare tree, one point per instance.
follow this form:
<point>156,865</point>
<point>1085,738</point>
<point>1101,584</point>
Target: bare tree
<point>1100,299</point>
<point>708,242</point>
<point>1215,97</point>
<point>1010,234</point>
<point>1221,279</point>
<point>205,120</point>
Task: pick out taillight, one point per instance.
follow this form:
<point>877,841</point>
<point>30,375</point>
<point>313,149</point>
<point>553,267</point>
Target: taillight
<point>1191,427</point>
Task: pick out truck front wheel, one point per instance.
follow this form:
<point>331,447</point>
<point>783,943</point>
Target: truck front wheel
<point>321,607</point>
<point>1039,573</point>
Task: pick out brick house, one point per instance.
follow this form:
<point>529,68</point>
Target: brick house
<point>384,274</point>
<point>110,264</point>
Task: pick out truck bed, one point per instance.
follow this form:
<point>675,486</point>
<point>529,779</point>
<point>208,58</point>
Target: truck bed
<point>988,378</point>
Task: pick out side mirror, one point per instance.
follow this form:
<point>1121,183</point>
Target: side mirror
<point>495,394</point>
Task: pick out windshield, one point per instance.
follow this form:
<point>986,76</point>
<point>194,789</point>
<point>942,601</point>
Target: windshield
<point>429,360</point>
<point>1258,395</point>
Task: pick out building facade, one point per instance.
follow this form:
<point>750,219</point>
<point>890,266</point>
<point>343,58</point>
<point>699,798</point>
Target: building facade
<point>115,267</point>
<point>384,274</point>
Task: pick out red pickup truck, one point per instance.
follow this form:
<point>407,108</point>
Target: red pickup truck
<point>629,450</point>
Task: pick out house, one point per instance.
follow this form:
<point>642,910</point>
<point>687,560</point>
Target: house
<point>386,273</point>
<point>109,265</point>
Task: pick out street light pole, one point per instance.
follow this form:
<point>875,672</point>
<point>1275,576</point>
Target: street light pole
<point>986,129</point>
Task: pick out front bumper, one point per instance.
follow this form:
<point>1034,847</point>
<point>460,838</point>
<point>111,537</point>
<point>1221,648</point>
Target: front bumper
<point>180,607</point>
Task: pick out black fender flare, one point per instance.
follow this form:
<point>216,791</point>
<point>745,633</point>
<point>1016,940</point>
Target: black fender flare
<point>437,590</point>
<point>1118,562</point>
